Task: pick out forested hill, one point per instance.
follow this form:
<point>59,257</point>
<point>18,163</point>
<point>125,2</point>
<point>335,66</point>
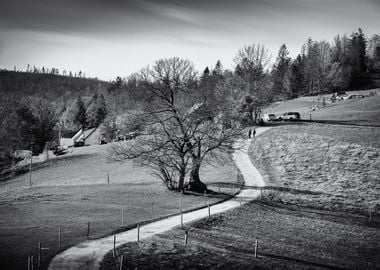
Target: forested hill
<point>49,86</point>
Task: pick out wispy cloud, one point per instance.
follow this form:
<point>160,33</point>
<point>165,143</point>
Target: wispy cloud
<point>204,31</point>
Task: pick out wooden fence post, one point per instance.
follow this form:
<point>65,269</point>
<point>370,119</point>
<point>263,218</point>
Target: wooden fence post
<point>121,262</point>
<point>88,230</point>
<point>209,210</point>
<point>180,209</point>
<point>30,166</point>
<point>138,232</point>
<point>186,237</point>
<point>241,200</point>
<point>204,195</point>
<point>29,263</point>
<point>39,255</point>
<point>122,216</point>
<point>256,247</point>
<point>32,262</point>
<point>59,238</point>
<point>114,246</point>
<point>108,178</point>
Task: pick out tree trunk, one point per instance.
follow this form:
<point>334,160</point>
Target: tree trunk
<point>195,183</point>
<point>181,180</point>
<point>194,174</point>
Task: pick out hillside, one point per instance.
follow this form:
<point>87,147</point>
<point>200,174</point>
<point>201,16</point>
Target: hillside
<point>321,166</point>
<point>49,86</point>
<point>355,111</point>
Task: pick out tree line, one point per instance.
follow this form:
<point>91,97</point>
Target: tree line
<point>191,118</point>
<point>188,118</point>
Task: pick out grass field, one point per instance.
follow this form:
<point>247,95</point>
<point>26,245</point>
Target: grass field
<point>289,238</point>
<point>322,166</point>
<point>364,111</point>
<point>313,215</point>
<point>73,190</point>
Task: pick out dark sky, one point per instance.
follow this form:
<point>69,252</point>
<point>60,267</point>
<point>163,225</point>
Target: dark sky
<point>107,38</point>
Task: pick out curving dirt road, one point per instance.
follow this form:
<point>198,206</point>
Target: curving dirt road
<point>88,255</point>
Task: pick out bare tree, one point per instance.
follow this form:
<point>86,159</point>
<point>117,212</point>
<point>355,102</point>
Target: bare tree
<point>164,148</point>
<point>252,63</point>
<point>182,130</point>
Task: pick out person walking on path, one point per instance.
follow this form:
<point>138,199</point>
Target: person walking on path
<point>253,133</point>
<point>249,133</point>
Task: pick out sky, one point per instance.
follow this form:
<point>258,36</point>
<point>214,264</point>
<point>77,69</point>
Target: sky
<point>110,38</point>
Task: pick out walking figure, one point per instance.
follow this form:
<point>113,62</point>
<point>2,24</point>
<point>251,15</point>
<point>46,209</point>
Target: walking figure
<point>249,133</point>
<point>254,133</point>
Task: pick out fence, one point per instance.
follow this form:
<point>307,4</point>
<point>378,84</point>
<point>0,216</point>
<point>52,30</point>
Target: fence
<point>90,229</point>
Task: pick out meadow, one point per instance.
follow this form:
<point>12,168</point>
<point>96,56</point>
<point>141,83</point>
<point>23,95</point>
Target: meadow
<point>72,190</point>
<point>363,111</point>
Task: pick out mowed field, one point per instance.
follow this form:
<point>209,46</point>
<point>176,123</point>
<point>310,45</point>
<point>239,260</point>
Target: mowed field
<point>314,214</point>
<point>364,111</point>
<point>72,190</point>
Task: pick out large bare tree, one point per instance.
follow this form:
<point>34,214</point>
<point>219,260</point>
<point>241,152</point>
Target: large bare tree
<point>252,63</point>
<point>182,131</point>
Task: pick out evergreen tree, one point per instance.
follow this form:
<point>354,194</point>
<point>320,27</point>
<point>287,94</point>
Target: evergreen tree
<point>206,73</point>
<point>96,111</point>
<point>358,57</point>
<point>80,117</point>
<point>280,72</point>
<point>36,118</point>
<point>101,110</point>
<point>218,70</point>
<point>296,77</point>
<point>91,112</point>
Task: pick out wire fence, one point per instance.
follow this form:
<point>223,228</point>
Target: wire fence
<point>152,211</point>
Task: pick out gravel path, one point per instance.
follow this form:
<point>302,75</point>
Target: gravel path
<point>88,255</point>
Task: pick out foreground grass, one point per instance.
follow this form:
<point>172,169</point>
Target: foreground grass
<point>289,238</point>
<point>322,166</point>
<point>29,216</point>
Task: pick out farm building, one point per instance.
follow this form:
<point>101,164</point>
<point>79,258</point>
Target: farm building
<point>92,136</point>
<point>87,137</point>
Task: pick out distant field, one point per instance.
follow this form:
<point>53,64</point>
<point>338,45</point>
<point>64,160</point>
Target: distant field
<point>29,216</point>
<point>322,166</point>
<point>355,111</point>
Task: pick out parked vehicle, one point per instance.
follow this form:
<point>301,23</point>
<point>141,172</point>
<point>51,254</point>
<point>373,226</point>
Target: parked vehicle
<point>131,135</point>
<point>269,117</point>
<point>59,150</point>
<point>355,96</point>
<point>340,95</point>
<point>291,116</point>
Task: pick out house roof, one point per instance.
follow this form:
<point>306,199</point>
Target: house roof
<point>65,133</point>
<point>88,132</point>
